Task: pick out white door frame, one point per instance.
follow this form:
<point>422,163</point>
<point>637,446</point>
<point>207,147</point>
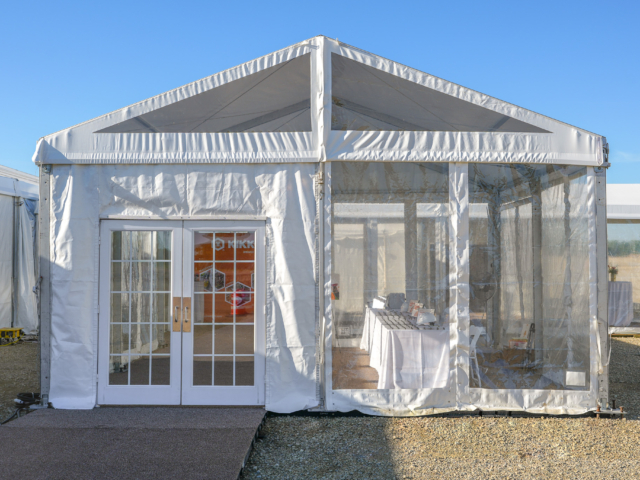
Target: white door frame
<point>180,390</point>
<point>144,394</point>
<point>222,395</point>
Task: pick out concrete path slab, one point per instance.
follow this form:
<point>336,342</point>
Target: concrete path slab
<point>130,442</point>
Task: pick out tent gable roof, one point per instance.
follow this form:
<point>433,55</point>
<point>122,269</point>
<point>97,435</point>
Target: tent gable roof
<point>365,98</point>
<point>270,100</point>
<point>315,101</point>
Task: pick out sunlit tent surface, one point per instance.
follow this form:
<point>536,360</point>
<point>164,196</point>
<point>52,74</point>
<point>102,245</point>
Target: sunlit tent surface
<point>276,99</point>
<point>338,232</point>
<point>365,98</point>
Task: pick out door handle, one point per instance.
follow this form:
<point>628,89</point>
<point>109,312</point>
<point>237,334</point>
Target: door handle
<point>177,310</point>
<point>186,315</point>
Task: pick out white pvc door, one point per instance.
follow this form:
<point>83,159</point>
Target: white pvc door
<point>139,339</point>
<point>224,284</point>
<point>181,313</point>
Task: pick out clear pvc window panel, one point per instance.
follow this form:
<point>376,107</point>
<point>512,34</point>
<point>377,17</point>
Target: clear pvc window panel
<point>390,241</point>
<point>140,328</point>
<point>624,273</point>
<point>366,98</point>
<point>529,277</point>
<point>224,310</point>
<point>276,99</point>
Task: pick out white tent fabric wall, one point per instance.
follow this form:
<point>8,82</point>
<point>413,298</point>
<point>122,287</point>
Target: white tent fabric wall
<point>6,259</point>
<point>18,190</point>
<point>27,317</point>
<point>170,157</point>
<point>81,195</point>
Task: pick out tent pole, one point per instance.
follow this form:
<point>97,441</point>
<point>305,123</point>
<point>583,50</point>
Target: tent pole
<point>603,281</point>
<point>536,227</point>
<point>44,296</point>
<point>411,248</point>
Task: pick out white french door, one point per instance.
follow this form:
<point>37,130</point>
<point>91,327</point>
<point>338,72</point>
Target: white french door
<point>181,313</point>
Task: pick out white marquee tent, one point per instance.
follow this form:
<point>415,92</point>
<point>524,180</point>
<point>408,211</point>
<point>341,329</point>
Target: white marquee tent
<point>623,218</point>
<point>322,228</point>
<point>18,213</point>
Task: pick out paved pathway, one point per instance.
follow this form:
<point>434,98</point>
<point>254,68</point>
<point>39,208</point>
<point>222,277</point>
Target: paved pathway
<point>129,442</point>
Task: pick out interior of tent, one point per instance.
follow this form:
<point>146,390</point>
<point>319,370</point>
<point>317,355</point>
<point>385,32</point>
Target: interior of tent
<point>529,271</point>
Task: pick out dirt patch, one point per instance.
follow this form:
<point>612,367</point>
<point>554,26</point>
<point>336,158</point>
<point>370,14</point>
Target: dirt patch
<point>19,372</point>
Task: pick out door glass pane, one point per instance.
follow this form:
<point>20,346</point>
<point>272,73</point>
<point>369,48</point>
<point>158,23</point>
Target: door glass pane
<point>244,339</point>
<point>161,338</point>
<point>140,369</point>
<point>202,367</point>
<point>118,370</point>
<point>224,272</point>
<point>140,329</point>
<point>223,371</point>
<point>202,339</point>
<point>245,246</point>
<point>224,339</point>
<point>203,277</point>
<point>162,248</point>
<point>223,308</point>
<point>203,247</point>
<point>244,370</point>
<point>160,370</point>
<point>203,309</point>
<point>224,264</point>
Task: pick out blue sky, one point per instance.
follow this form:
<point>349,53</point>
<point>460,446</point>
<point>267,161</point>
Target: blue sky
<point>62,63</point>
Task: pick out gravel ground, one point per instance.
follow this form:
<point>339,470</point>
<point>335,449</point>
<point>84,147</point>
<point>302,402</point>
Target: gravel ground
<point>469,447</point>
<point>333,447</point>
<point>18,373</point>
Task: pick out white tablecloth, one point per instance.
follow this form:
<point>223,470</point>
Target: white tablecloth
<point>620,304</point>
<point>405,356</point>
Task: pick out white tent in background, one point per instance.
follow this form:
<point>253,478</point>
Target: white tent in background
<point>231,242</point>
<point>623,219</point>
<point>18,213</point>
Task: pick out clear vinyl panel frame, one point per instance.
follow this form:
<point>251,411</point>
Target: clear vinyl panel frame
<point>362,219</point>
<point>130,394</point>
<point>225,394</point>
<point>569,200</point>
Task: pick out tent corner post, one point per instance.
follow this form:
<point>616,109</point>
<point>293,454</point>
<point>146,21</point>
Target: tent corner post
<point>44,297</point>
<point>320,291</point>
<point>603,282</point>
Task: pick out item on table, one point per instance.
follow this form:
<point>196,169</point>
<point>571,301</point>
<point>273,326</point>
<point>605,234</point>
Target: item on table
<point>405,307</point>
<point>416,307</point>
<point>378,303</point>
<point>426,316</point>
<point>395,300</point>
<point>518,343</point>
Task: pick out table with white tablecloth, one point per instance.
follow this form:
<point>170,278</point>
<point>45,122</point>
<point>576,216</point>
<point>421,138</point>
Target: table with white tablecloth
<point>406,356</point>
<point>620,304</point>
